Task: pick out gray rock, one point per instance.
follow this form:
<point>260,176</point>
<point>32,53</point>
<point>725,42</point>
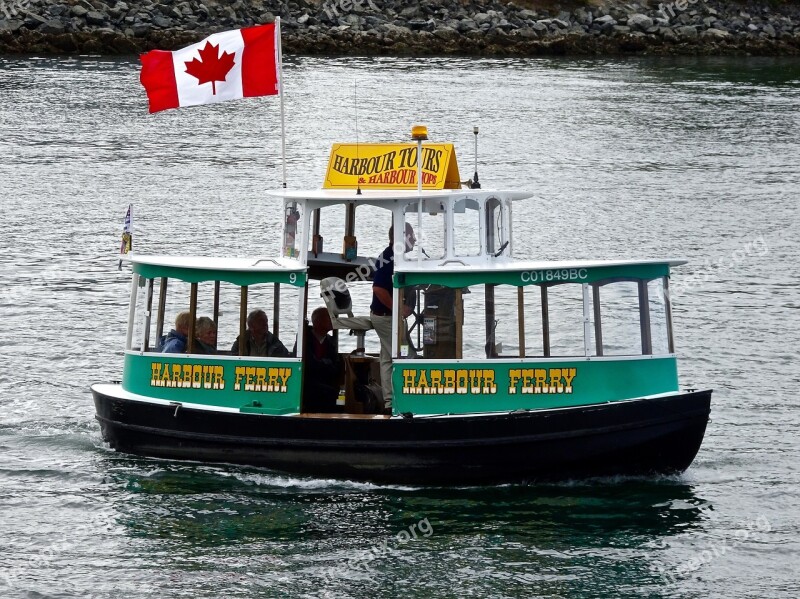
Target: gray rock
<point>526,34</point>
<point>95,18</point>
<point>482,18</point>
<point>583,17</point>
<point>301,20</point>
<point>687,32</point>
<point>668,34</point>
<point>769,30</point>
<point>716,34</point>
<point>561,24</point>
<point>79,11</point>
<point>620,29</point>
<point>52,26</point>
<point>445,33</point>
<point>11,25</point>
<point>162,21</point>
<point>528,15</point>
<point>467,25</point>
<point>639,22</point>
<point>140,29</point>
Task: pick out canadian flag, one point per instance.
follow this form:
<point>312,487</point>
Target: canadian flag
<point>224,66</point>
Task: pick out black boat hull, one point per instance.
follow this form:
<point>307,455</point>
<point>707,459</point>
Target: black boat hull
<point>644,436</point>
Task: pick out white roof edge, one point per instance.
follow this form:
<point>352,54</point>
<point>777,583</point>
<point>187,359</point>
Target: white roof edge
<point>250,264</point>
<point>368,195</point>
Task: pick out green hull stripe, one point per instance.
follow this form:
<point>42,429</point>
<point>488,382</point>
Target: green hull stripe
<point>249,385</point>
<point>494,385</point>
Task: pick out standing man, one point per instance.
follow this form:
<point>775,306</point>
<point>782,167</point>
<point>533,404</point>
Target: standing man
<point>381,308</point>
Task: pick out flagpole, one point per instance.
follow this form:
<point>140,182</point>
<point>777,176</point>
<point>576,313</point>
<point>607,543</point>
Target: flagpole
<point>280,93</point>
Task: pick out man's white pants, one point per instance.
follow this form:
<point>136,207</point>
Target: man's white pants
<point>383,327</point>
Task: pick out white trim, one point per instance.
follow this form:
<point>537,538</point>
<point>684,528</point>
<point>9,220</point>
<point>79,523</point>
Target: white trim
<point>139,352</point>
<point>132,311</point>
<point>587,321</point>
<point>537,360</point>
<point>115,390</point>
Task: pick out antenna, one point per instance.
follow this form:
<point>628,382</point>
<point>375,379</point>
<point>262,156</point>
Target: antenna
<point>475,183</point>
<point>355,102</point>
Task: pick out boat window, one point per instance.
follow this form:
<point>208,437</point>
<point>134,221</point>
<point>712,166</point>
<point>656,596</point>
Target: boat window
<point>331,229</point>
<point>565,314</point>
<point>471,323</point>
<point>533,321</point>
<point>140,339</point>
<point>431,237</point>
<point>466,225</point>
<point>217,302</point>
<point>495,235</point>
<point>619,318</point>
<point>292,229</point>
<point>372,230</point>
<point>659,327</point>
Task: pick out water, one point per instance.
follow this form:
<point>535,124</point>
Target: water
<point>695,158</point>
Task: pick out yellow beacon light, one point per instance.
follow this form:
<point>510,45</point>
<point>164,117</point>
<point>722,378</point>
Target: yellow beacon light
<point>419,132</point>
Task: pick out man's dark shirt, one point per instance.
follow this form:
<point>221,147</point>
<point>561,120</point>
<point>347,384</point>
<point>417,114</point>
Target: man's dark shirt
<point>382,277</point>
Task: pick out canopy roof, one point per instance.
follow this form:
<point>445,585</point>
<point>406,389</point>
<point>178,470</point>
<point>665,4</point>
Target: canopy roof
<point>239,271</point>
<point>377,196</point>
<point>454,273</point>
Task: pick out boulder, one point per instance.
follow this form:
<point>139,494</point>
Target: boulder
<point>687,32</point>
<point>95,18</point>
<point>639,22</point>
<point>53,26</point>
<point>715,34</point>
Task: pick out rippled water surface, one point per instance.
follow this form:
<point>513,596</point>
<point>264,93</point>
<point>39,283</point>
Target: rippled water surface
<point>694,158</point>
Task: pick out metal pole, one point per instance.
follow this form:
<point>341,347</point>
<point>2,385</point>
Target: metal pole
<point>192,317</point>
<point>598,326</point>
<point>243,349</point>
<point>280,93</point>
<point>162,306</point>
<point>521,319</point>
<point>545,324</point>
<point>419,203</point>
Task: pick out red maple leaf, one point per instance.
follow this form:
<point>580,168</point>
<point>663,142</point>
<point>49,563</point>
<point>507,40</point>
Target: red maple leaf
<point>211,67</point>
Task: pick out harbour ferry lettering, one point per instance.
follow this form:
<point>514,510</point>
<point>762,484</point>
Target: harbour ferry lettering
<point>448,382</point>
<point>187,376</point>
<point>269,380</point>
<point>541,380</point>
<point>559,274</point>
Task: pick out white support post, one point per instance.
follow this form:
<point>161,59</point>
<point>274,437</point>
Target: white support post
<point>132,310</point>
<point>587,321</point>
<point>148,293</point>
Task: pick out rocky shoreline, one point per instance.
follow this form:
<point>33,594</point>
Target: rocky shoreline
<point>400,28</point>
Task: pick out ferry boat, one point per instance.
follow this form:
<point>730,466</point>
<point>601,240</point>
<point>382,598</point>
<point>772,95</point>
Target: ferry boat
<point>502,369</point>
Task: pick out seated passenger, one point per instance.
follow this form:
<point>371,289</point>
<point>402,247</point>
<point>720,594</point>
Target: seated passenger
<point>258,339</point>
<point>205,340</point>
<point>176,340</point>
<point>323,365</point>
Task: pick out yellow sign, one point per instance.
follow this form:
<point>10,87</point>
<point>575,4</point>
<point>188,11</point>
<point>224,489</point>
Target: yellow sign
<point>391,166</point>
